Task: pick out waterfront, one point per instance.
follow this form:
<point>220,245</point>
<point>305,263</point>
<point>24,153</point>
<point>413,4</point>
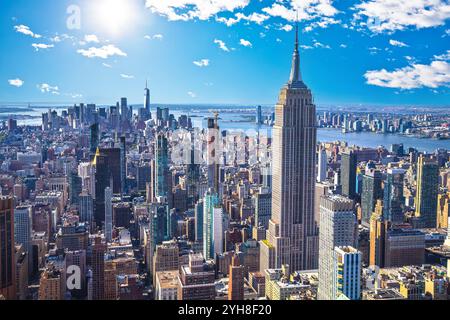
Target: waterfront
<point>242,118</point>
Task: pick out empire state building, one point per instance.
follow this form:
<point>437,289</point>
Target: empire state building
<point>292,236</point>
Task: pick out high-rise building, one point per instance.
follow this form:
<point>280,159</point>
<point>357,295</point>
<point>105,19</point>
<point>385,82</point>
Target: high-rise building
<point>198,211</point>
<point>7,250</point>
<point>210,202</point>
<point>263,207</point>
<point>393,200</point>
<point>347,273</point>
<point>427,192</point>
<point>371,192</point>
<point>378,229</point>
<point>292,231</point>
<point>98,269</point>
<point>108,214</point>
<point>259,117</point>
<point>404,247</point>
<point>322,165</point>
<point>338,227</point>
<point>23,225</point>
<point>161,167</point>
<point>94,137</point>
<point>348,174</point>
<point>86,208</point>
<point>166,258</point>
<point>143,176</point>
<point>213,153</point>
<point>236,280</point>
<point>147,100</point>
<point>443,210</point>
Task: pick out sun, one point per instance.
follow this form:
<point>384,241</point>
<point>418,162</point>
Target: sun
<point>113,17</point>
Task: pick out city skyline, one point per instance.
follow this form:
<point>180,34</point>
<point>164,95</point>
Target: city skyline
<point>227,52</point>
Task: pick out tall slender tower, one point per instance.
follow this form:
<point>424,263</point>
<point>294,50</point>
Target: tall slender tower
<point>293,234</point>
<point>147,100</point>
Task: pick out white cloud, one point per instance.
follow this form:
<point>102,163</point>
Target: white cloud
<point>91,38</point>
<point>46,88</point>
<point>445,56</point>
<point>192,94</point>
<point>39,46</point>
<point>126,76</point>
<point>434,75</point>
<point>255,17</point>
<point>287,28</point>
<point>193,9</point>
<point>201,63</point>
<point>26,31</point>
<point>106,65</point>
<point>102,52</point>
<point>389,16</point>
<point>342,45</point>
<point>306,9</point>
<point>222,45</point>
<point>245,43</point>
<point>155,37</point>
<point>396,43</point>
<point>16,82</point>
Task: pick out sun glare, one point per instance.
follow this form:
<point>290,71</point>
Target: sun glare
<point>114,17</point>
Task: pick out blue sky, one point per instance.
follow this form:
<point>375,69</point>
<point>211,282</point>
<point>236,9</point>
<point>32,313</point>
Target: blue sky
<point>224,51</point>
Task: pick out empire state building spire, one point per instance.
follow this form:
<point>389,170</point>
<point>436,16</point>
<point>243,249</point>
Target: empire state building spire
<point>295,80</point>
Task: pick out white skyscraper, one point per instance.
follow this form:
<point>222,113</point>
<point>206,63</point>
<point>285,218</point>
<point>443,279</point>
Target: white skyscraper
<point>338,227</point>
<point>108,214</point>
<point>292,232</point>
<point>347,273</point>
<point>322,165</point>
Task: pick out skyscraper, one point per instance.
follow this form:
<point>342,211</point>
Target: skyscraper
<point>338,227</point>
<point>322,165</point>
<point>213,156</point>
<point>393,199</point>
<point>162,167</point>
<point>292,231</point>
<point>210,202</point>
<point>427,192</point>
<point>98,269</point>
<point>147,100</point>
<point>371,192</point>
<point>236,282</point>
<point>23,228</point>
<point>108,214</point>
<point>7,257</point>
<point>348,174</point>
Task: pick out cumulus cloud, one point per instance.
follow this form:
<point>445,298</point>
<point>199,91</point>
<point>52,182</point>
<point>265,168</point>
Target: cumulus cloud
<point>192,94</point>
<point>16,82</point>
<point>304,9</point>
<point>255,17</point>
<point>46,88</point>
<point>26,31</point>
<point>245,43</point>
<point>389,16</point>
<point>287,28</point>
<point>434,75</point>
<point>103,52</point>
<point>91,38</point>
<point>396,43</point>
<point>222,45</point>
<point>193,9</point>
<point>201,63</point>
<point>39,46</point>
